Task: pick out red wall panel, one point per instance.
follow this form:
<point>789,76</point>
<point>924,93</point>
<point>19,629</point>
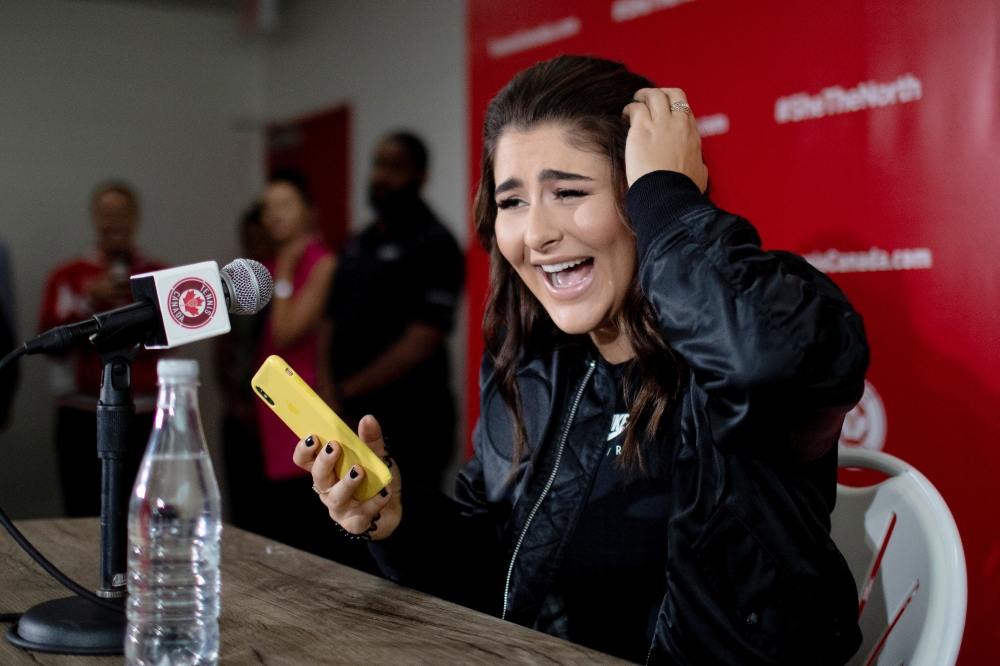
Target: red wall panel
<point>318,146</point>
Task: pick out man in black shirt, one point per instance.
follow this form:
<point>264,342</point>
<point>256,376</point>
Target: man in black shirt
<point>391,306</point>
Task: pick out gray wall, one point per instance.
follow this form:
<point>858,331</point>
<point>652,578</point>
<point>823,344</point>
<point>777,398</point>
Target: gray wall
<point>399,64</point>
<point>172,96</point>
<point>90,90</point>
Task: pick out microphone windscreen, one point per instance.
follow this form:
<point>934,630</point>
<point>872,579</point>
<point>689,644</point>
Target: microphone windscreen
<point>252,286</point>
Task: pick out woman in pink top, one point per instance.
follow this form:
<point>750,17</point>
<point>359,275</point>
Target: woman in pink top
<point>302,269</point>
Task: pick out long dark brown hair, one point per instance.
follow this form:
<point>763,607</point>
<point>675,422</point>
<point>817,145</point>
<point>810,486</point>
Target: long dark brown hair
<point>585,96</point>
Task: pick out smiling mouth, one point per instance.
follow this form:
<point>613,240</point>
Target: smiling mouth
<point>568,273</point>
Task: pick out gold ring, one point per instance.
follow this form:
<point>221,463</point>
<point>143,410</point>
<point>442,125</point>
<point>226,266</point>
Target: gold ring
<point>321,492</point>
<point>681,106</point>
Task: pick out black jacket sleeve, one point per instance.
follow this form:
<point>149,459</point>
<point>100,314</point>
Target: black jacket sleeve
<point>775,346</point>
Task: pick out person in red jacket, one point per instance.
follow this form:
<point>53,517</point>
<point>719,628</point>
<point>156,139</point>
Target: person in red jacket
<point>75,290</point>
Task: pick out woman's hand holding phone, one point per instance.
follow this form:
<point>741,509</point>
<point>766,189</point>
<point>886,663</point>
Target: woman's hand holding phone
<point>319,458</point>
<point>663,135</point>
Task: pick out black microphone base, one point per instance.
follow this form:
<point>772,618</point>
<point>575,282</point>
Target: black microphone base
<point>71,625</point>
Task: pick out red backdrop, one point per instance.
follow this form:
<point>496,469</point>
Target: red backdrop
<point>865,135</point>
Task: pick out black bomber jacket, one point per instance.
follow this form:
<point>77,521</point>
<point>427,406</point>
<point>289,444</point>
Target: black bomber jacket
<point>774,357</point>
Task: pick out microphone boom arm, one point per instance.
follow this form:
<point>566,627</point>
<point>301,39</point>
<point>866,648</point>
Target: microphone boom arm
<point>126,327</point>
<point>122,327</point>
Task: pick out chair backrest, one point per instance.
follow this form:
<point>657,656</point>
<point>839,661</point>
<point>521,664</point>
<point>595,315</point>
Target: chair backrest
<point>902,545</point>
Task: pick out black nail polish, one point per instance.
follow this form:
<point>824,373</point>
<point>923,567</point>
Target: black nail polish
<point>373,527</point>
<point>310,440</point>
<point>329,449</point>
<point>388,462</point>
<point>354,473</point>
<point>384,493</point>
<point>377,516</point>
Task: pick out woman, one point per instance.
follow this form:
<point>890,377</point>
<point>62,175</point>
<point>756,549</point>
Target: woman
<point>302,269</point>
<point>655,460</point>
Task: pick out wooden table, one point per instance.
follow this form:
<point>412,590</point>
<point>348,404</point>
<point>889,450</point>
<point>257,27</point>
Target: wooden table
<point>283,606</point>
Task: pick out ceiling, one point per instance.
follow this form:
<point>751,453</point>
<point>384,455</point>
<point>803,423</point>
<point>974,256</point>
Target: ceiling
<point>206,5</point>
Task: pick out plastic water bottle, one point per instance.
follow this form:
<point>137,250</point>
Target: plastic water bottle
<point>174,526</point>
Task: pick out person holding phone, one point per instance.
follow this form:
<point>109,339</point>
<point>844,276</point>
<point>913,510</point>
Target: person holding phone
<point>655,458</point>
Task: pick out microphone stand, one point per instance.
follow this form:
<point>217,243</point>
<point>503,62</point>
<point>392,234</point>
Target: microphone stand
<point>115,412</point>
<point>75,625</point>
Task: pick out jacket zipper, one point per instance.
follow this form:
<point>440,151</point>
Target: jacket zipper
<point>548,484</point>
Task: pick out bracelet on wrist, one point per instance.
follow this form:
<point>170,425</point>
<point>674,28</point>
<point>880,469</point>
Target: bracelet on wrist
<point>364,536</point>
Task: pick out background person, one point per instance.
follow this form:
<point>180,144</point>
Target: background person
<point>302,268</point>
<point>656,458</point>
<point>8,336</point>
<point>235,358</point>
<point>392,305</point>
<point>75,290</point>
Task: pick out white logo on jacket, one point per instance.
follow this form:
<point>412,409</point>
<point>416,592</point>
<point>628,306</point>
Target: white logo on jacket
<point>618,424</point>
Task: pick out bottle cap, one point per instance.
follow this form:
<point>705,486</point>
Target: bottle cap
<point>177,368</point>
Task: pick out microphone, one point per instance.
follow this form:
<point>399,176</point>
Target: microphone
<point>247,286</point>
<point>172,307</point>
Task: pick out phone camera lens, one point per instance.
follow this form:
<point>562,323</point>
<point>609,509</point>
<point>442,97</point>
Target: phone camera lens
<point>264,395</point>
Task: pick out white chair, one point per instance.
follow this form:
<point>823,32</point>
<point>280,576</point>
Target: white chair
<point>903,547</point>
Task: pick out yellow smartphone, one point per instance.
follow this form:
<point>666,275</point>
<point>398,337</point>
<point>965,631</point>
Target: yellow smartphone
<point>295,403</point>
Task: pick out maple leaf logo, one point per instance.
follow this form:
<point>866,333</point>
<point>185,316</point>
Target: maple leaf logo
<point>192,301</point>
